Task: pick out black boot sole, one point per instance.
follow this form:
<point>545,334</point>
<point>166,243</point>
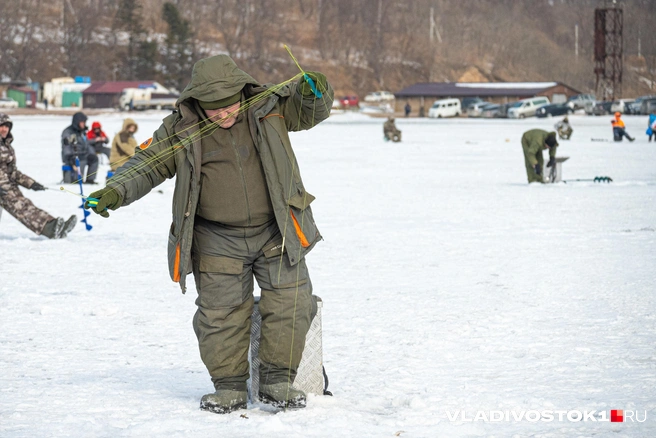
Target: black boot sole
<point>217,409</point>
<point>290,404</point>
<point>68,227</point>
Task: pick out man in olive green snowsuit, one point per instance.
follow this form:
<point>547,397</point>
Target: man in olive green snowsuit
<point>240,210</point>
<point>533,142</point>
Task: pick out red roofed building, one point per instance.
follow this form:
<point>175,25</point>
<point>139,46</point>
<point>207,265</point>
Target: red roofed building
<point>106,94</point>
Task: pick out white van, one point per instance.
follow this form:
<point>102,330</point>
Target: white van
<point>527,107</point>
<point>445,108</point>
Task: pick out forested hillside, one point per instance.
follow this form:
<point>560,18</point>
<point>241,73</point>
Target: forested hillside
<point>362,44</point>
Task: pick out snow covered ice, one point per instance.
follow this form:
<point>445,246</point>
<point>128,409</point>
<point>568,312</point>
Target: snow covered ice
<point>448,284</point>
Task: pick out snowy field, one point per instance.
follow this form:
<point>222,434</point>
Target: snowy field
<point>449,284</point>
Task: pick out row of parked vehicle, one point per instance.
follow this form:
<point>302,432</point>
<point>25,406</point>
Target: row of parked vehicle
<point>643,105</point>
<point>540,107</point>
<point>353,101</point>
<point>476,107</point>
<point>535,106</point>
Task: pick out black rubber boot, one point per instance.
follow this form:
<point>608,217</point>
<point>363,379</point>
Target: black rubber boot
<point>68,226</point>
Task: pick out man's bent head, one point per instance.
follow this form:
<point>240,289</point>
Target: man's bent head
<point>223,112</point>
<point>224,117</point>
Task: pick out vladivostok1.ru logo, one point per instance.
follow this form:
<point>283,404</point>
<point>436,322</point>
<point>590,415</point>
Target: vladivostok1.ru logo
<point>533,416</point>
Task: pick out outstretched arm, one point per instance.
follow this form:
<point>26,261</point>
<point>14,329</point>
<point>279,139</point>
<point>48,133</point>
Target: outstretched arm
<point>139,175</point>
<point>147,169</point>
<point>303,109</point>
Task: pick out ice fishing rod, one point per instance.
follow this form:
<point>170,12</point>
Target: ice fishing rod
<point>92,201</point>
<point>305,75</point>
<point>596,179</point>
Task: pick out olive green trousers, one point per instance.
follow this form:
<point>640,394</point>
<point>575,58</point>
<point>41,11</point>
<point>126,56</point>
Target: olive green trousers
<point>225,261</point>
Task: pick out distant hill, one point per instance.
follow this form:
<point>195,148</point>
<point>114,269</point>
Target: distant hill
<point>362,45</point>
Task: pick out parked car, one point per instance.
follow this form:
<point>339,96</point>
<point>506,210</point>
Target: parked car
<point>502,113</point>
<point>527,107</point>
<point>621,106</point>
<point>476,109</point>
<point>445,108</point>
<point>379,96</point>
<point>602,108</point>
<point>581,101</point>
<point>648,106</point>
<point>554,109</point>
<point>469,101</point>
<point>635,106</point>
<point>349,101</point>
<point>490,111</point>
<point>8,102</point>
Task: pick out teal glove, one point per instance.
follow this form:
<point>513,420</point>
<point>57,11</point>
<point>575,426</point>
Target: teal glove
<point>108,199</point>
<point>319,80</point>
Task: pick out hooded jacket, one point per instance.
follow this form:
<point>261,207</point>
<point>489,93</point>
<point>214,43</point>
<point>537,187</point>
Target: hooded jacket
<point>175,150</point>
<point>93,138</point>
<point>74,141</point>
<point>123,145</point>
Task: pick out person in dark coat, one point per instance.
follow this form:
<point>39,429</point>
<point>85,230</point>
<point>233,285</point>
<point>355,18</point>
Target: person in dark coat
<point>74,145</point>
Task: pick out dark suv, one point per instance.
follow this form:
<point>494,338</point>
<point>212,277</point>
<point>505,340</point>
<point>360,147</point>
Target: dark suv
<point>469,101</point>
<point>602,108</point>
<point>648,106</point>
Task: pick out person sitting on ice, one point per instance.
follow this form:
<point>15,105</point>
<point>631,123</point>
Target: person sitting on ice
<point>98,139</point>
<point>74,144</point>
<point>390,130</point>
<point>124,144</point>
<point>533,142</point>
<point>11,198</point>
<point>619,130</point>
<point>564,129</point>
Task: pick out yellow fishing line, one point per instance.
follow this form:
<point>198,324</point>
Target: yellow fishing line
<point>247,104</point>
<point>294,59</point>
<point>298,266</point>
<point>244,107</point>
<point>72,193</point>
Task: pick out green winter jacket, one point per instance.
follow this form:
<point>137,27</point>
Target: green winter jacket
<point>173,153</point>
<point>533,142</point>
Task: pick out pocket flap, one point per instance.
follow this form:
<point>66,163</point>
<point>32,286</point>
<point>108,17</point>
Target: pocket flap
<point>273,249</point>
<point>301,200</point>
<point>223,265</point>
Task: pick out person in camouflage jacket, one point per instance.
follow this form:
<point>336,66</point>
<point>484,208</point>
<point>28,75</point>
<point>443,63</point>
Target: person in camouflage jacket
<point>11,198</point>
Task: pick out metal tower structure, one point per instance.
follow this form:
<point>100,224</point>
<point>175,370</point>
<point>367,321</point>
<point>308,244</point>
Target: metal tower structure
<point>608,51</point>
